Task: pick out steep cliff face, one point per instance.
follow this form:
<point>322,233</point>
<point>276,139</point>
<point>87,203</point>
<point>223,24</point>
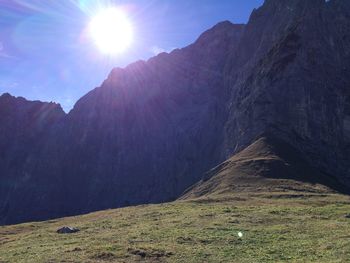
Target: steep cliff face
<point>24,127</point>
<point>24,130</point>
<point>150,131</point>
<point>154,128</point>
<point>291,78</point>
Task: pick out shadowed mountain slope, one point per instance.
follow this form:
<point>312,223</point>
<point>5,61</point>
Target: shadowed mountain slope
<point>149,132</point>
<point>289,77</point>
<point>267,165</point>
<point>24,132</point>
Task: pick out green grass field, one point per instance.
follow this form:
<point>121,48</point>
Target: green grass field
<point>276,227</point>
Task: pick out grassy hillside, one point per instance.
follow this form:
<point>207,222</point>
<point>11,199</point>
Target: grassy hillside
<point>255,192</point>
<point>268,164</point>
<point>293,227</point>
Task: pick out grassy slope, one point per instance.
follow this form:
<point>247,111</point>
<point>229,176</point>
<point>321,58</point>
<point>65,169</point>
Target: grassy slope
<point>268,164</point>
<point>254,192</point>
<point>291,227</point>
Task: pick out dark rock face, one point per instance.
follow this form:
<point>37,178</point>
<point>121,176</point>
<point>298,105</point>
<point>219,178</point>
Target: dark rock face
<point>295,83</point>
<point>150,131</point>
<point>154,128</point>
<point>24,131</point>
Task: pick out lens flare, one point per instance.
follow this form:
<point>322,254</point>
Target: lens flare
<point>111,31</point>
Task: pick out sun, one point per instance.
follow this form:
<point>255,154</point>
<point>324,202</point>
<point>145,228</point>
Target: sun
<point>111,30</point>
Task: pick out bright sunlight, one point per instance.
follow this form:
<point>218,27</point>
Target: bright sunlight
<point>111,31</point>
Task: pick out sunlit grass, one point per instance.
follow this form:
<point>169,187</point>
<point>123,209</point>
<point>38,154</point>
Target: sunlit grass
<point>311,228</point>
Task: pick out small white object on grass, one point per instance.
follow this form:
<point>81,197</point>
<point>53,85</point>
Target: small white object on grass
<point>240,234</point>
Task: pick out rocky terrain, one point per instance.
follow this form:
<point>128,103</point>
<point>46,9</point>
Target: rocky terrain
<point>154,128</point>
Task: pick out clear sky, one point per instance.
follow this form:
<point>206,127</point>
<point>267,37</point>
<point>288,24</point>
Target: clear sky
<point>46,53</point>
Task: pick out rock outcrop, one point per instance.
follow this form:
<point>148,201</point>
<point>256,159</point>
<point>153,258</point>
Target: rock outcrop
<point>154,128</point>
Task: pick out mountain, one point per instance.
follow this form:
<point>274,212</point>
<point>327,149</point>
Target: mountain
<point>150,131</point>
<point>24,131</point>
<point>290,77</point>
<point>154,128</point>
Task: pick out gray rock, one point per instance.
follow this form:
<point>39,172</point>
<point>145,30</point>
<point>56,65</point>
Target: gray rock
<point>67,230</point>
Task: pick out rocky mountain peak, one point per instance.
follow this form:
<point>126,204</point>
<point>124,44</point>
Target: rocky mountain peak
<point>20,104</point>
<point>208,53</point>
<point>220,32</point>
<point>286,3</point>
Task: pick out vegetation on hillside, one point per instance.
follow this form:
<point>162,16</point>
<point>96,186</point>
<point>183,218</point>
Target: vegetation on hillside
<point>276,227</point>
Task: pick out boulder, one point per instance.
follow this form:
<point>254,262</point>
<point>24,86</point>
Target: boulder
<point>67,230</point>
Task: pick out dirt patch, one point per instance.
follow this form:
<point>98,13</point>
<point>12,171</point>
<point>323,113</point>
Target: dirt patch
<point>184,240</point>
<point>4,240</point>
<point>104,256</point>
<point>147,253</point>
<point>286,196</point>
<point>77,249</point>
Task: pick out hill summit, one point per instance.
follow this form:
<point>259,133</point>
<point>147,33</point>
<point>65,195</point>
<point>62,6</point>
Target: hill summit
<point>268,165</point>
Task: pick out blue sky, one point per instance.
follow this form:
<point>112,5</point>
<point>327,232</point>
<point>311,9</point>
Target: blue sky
<point>45,53</point>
